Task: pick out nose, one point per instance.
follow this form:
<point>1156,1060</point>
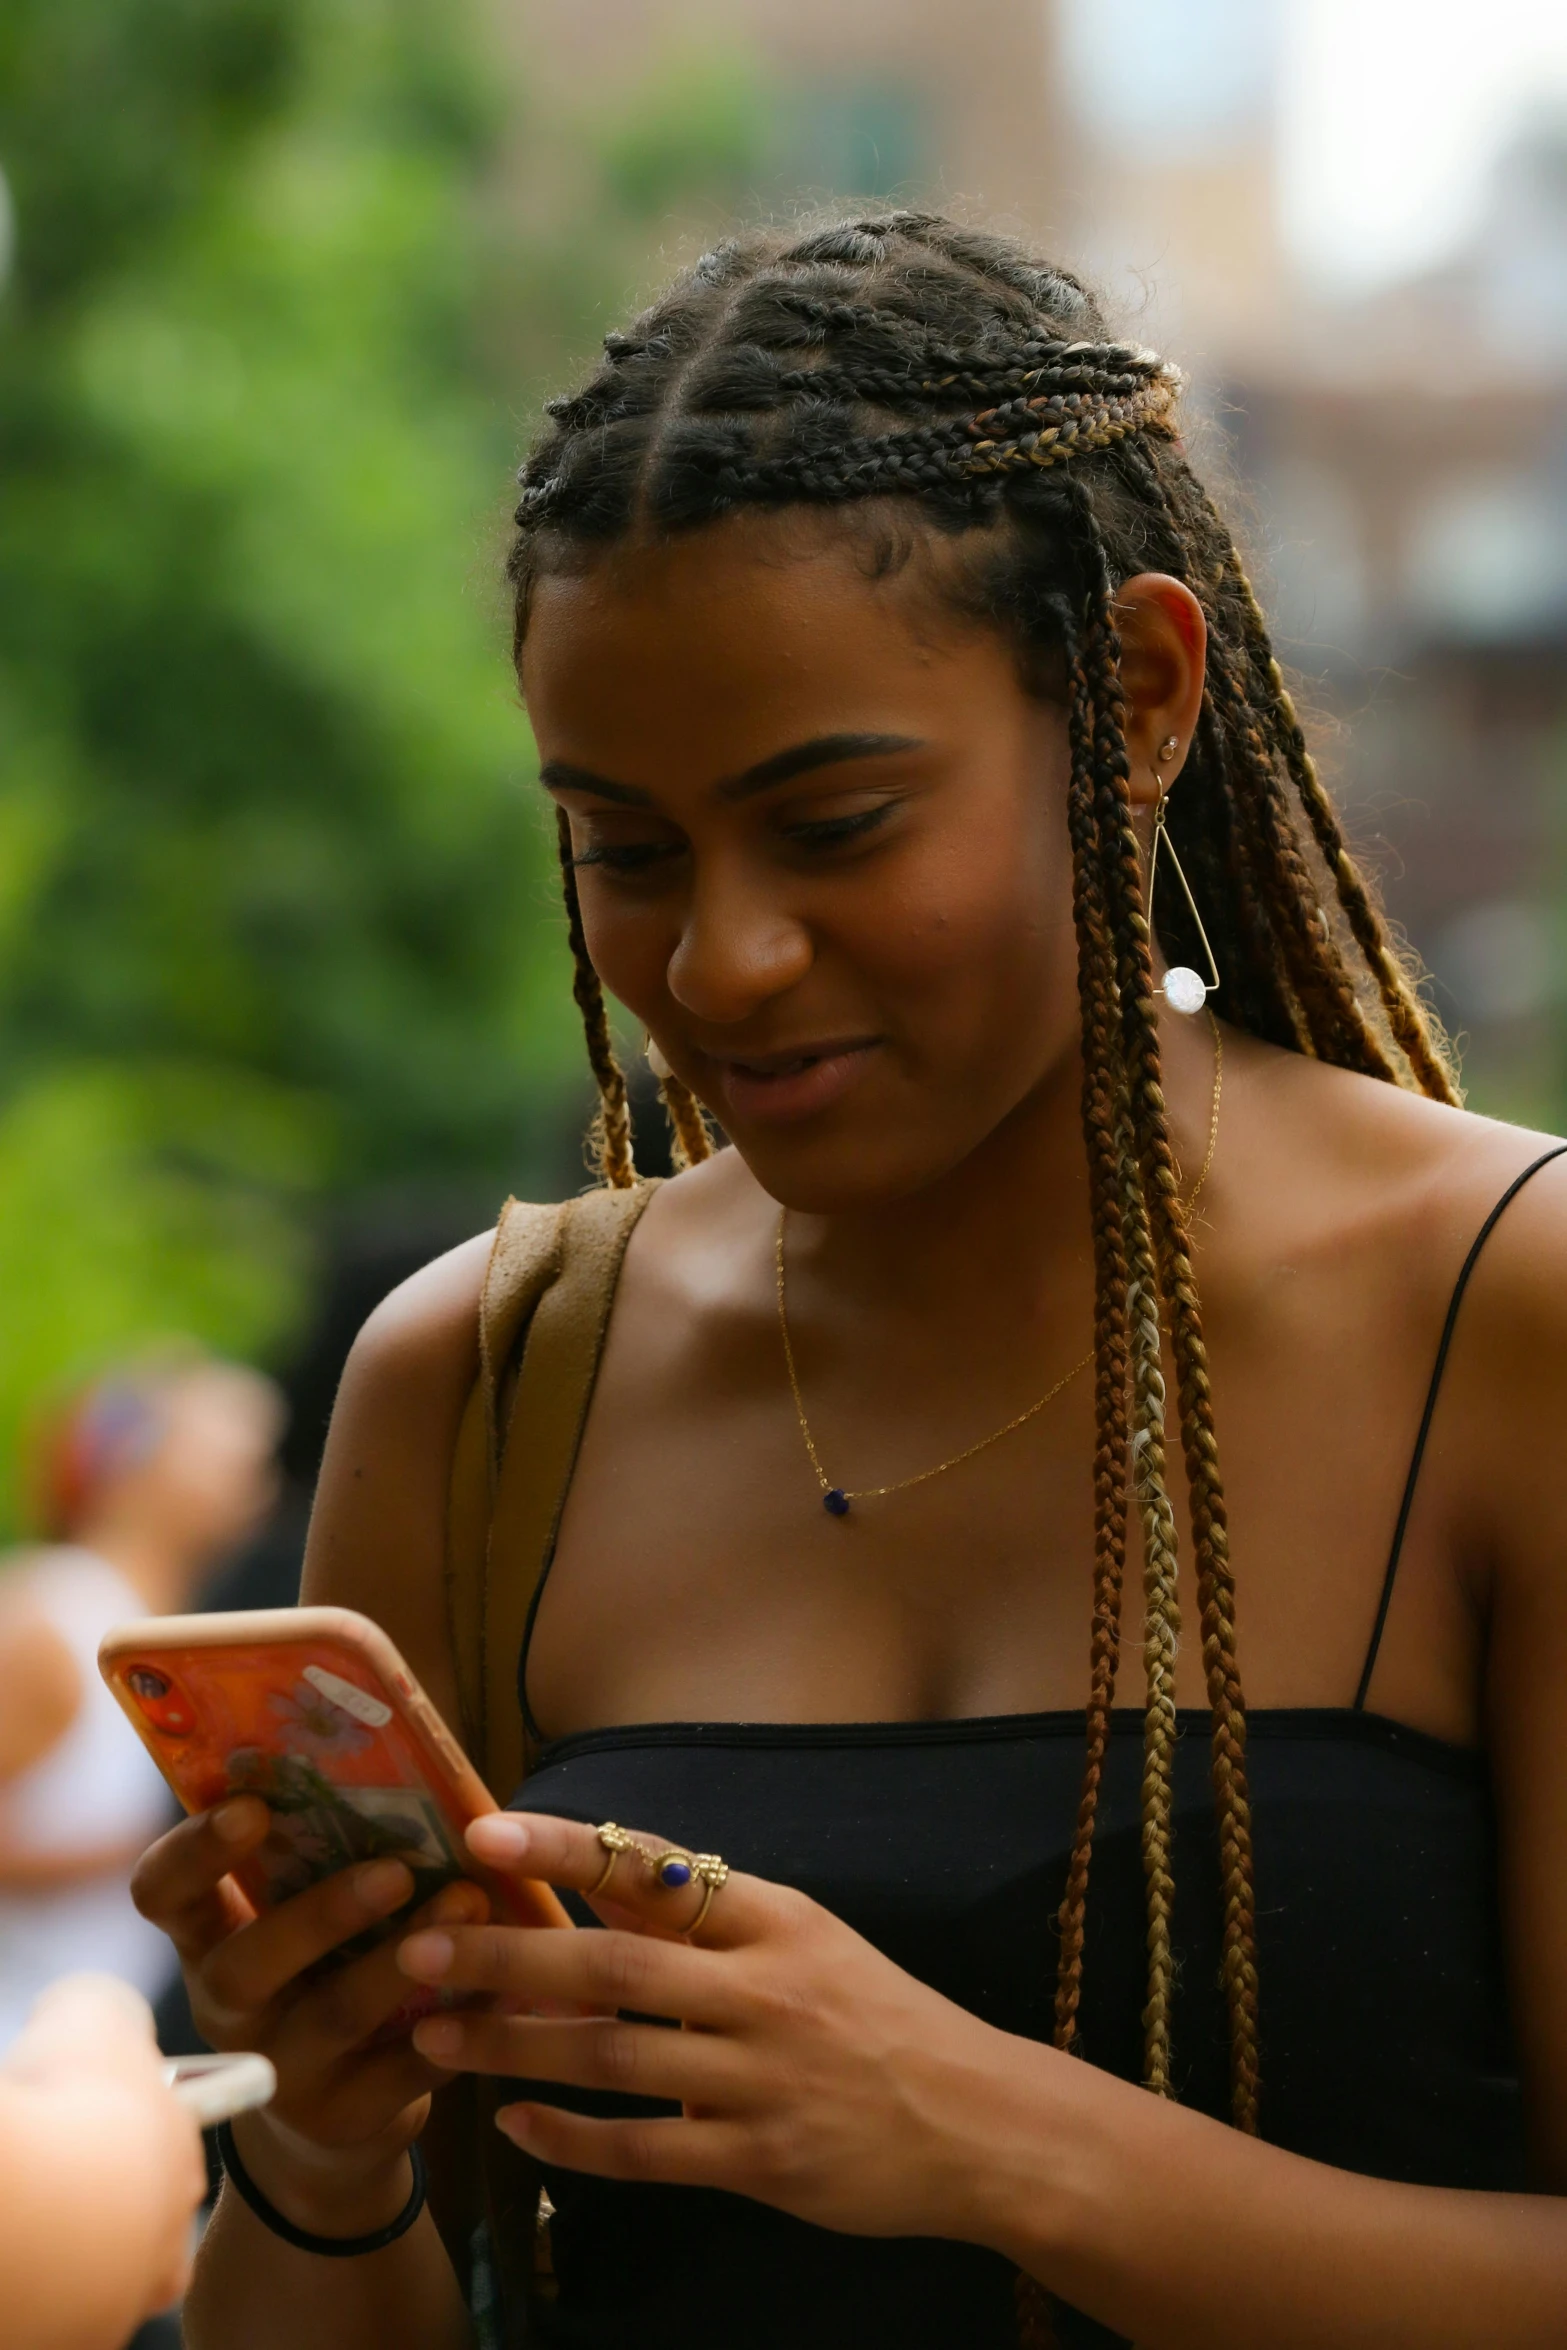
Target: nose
<point>738,949</point>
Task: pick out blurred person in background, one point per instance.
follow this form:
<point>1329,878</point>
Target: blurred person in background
<point>145,1482</point>
<point>100,2172</point>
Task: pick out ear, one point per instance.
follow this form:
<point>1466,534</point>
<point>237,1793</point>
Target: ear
<point>1164,654</point>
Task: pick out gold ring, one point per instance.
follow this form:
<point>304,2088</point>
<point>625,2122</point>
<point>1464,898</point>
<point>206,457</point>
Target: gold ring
<point>674,1868</point>
<point>709,1888</point>
<point>615,1841</point>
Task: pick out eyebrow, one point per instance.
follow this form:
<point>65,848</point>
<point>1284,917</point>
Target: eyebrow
<point>823,750</point>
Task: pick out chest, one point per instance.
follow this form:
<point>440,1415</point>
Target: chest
<point>697,1575</point>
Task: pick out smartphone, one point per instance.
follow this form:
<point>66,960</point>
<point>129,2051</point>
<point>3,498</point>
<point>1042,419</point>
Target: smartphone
<point>313,1710</point>
<point>216,2088</point>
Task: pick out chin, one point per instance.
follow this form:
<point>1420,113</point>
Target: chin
<point>846,1173</point>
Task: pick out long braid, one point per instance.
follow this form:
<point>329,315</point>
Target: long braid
<point>611,1138</point>
<point>1210,1536</point>
<point>903,357</point>
<point>1161,1617</point>
<point>1332,1024</point>
<point>1406,1015</point>
<point>1103,1095</point>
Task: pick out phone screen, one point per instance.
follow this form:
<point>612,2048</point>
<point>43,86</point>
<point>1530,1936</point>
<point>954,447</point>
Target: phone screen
<point>303,1725</point>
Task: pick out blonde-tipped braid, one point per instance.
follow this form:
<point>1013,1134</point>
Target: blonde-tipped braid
<point>690,1133</point>
<point>610,1138</point>
<point>1161,1615</point>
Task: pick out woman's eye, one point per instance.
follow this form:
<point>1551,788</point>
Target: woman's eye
<point>831,832</point>
<point>628,857</point>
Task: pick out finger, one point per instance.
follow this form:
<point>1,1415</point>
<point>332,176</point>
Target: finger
<point>355,2002</point>
<point>182,1882</point>
<point>565,1853</point>
<point>610,1970</point>
<point>588,2052</point>
<point>680,2153</point>
<point>250,1969</point>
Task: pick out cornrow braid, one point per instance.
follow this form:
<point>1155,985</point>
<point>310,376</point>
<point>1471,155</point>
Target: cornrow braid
<point>899,356</point>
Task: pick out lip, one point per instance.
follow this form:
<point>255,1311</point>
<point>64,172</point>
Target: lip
<point>779,1087</point>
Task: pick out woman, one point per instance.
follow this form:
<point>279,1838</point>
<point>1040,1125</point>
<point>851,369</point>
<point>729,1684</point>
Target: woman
<point>868,613</point>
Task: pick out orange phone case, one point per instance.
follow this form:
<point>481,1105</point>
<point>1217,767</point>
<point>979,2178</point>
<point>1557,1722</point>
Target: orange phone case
<point>313,1710</point>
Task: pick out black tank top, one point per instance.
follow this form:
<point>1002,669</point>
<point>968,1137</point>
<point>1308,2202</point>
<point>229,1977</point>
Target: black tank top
<point>1386,2047</point>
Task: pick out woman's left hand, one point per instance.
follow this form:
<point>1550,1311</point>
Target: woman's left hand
<point>812,2074</point>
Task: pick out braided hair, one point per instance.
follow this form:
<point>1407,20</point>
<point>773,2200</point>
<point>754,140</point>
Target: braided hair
<point>904,357</point>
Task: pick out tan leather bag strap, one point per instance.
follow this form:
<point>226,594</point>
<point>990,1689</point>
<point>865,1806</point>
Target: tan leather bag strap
<point>547,1299</point>
<point>549,1291</point>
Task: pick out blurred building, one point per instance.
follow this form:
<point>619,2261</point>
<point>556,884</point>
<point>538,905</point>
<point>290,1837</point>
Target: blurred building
<point>897,98</point>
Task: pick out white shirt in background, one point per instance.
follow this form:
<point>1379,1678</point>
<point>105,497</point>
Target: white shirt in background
<point>97,1788</point>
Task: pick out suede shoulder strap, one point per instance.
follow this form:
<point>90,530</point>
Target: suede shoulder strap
<point>543,1314</point>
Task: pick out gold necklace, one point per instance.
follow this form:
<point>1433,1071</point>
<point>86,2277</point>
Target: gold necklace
<point>837,1498</point>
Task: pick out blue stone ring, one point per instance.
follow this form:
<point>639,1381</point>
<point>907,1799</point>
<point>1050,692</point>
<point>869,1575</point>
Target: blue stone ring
<point>672,1868</point>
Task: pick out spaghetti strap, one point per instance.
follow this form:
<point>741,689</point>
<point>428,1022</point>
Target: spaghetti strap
<point>1426,1417</point>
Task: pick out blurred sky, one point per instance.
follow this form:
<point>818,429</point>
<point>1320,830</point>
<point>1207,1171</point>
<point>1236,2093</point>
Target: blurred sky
<point>1390,112</point>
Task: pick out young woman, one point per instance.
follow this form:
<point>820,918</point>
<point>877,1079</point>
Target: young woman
<point>871,621</point>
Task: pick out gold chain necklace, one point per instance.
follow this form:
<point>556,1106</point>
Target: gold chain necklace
<point>837,1498</point>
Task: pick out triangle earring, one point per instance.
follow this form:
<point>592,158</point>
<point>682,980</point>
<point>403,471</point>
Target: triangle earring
<point>1182,988</point>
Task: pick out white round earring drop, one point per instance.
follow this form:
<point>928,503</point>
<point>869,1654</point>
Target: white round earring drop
<point>1183,989</point>
<point>656,1061</point>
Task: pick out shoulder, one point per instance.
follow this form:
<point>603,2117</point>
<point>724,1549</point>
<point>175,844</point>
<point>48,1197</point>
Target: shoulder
<point>426,1331</point>
<point>1357,1157</point>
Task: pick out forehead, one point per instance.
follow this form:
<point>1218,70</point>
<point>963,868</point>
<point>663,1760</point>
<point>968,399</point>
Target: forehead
<point>743,635</point>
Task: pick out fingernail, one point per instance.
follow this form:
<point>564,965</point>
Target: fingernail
<point>426,1956</point>
<point>232,1822</point>
<point>513,2122</point>
<point>382,1884</point>
<point>500,1835</point>
<point>438,2036</point>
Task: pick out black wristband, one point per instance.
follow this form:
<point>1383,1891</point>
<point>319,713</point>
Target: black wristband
<point>326,2247</point>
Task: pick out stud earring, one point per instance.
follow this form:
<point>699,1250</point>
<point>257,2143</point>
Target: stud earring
<point>1183,989</point>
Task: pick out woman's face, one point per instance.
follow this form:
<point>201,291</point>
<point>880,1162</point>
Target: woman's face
<point>822,847</point>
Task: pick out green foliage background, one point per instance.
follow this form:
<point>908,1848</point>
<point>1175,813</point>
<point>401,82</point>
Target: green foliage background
<point>272,900</point>
<point>278,934</point>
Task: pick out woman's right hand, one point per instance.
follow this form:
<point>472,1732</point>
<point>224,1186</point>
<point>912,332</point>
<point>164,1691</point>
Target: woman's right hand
<point>351,2097</point>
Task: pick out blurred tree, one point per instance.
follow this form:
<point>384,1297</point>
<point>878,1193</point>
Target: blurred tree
<point>273,911</point>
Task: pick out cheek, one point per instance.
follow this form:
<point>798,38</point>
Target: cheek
<point>977,932</point>
<point>630,945</point>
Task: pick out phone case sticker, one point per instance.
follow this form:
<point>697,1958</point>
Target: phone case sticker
<point>319,1827</point>
<point>372,1711</point>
